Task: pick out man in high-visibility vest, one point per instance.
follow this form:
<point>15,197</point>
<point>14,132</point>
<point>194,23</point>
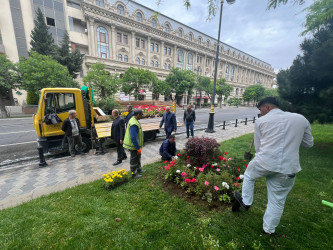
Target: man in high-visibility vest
<point>133,142</point>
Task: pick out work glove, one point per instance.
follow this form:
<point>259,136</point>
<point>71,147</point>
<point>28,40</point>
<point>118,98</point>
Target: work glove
<point>139,151</point>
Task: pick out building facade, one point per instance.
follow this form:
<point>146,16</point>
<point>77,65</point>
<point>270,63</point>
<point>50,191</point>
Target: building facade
<point>127,34</point>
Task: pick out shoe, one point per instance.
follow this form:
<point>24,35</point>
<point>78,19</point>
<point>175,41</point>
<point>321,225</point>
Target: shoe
<point>268,234</point>
<point>72,155</point>
<point>239,200</point>
<point>141,171</point>
<point>187,137</point>
<point>135,176</point>
<point>116,163</point>
<point>125,157</point>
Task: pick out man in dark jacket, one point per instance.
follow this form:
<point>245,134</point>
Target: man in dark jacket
<point>168,148</point>
<point>169,119</point>
<point>71,127</point>
<point>130,114</point>
<point>117,134</point>
<point>189,120</point>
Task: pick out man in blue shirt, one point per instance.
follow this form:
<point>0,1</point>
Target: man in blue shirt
<point>169,119</point>
<point>168,148</point>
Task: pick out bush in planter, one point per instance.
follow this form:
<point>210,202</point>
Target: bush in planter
<point>107,104</point>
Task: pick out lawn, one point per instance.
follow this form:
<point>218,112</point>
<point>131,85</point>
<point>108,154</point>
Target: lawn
<point>151,218</point>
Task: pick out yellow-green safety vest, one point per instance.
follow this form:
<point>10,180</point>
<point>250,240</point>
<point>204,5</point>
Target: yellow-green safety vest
<point>127,140</point>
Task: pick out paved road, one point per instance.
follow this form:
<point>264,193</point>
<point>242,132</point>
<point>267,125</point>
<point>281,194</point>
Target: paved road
<point>18,138</point>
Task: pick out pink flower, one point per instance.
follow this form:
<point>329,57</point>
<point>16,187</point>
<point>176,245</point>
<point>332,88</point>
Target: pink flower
<point>183,174</point>
<point>201,169</point>
<point>224,165</point>
<point>218,170</point>
<point>216,188</point>
<point>230,159</point>
<point>165,161</point>
<point>167,167</point>
<point>206,183</point>
<point>194,180</point>
<point>187,180</point>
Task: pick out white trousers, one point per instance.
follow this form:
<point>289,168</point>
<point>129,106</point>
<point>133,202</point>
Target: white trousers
<point>278,187</point>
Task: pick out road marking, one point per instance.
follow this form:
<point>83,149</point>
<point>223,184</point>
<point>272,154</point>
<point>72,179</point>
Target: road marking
<point>18,143</point>
<point>17,132</point>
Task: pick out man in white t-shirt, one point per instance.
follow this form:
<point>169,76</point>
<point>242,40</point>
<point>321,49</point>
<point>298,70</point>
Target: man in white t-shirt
<point>278,136</point>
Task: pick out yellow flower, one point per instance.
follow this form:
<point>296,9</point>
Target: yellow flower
<point>105,179</point>
<point>104,175</point>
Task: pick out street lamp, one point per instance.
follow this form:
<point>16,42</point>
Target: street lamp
<point>210,128</point>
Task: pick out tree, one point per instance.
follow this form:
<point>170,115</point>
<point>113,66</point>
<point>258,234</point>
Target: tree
<point>103,83</point>
<point>181,81</point>
<point>72,60</point>
<point>134,79</point>
<point>39,71</point>
<point>223,89</point>
<point>42,41</point>
<point>235,101</point>
<point>270,93</point>
<point>158,87</point>
<point>203,84</point>
<point>8,80</point>
<point>253,92</point>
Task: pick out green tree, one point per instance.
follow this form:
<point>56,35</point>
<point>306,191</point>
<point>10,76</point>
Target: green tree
<point>253,92</point>
<point>181,81</point>
<point>203,84</point>
<point>235,101</point>
<point>134,80</point>
<point>39,71</point>
<point>42,41</point>
<point>270,93</point>
<point>72,60</point>
<point>9,78</point>
<point>222,89</point>
<point>103,83</point>
<point>158,87</point>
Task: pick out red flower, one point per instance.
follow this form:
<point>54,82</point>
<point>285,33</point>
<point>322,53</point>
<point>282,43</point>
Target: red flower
<point>187,180</point>
<point>225,153</point>
<point>220,158</point>
<point>194,180</point>
<point>237,185</point>
<point>237,178</point>
<point>179,154</point>
<point>224,159</point>
<point>187,157</point>
<point>167,167</point>
<point>211,166</point>
<point>238,169</point>
<point>247,165</point>
<point>165,161</point>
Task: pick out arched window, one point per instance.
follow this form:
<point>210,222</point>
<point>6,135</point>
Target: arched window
<point>180,59</point>
<point>125,58</point>
<point>180,33</point>
<point>154,23</point>
<point>232,72</point>
<point>143,61</point>
<point>199,40</point>
<point>120,9</point>
<point>190,37</point>
<point>139,16</point>
<point>165,66</point>
<point>237,92</point>
<point>167,28</point>
<point>100,3</point>
<point>189,65</point>
<point>137,60</point>
<point>156,64</point>
<point>227,71</point>
<point>120,57</point>
<point>103,42</point>
<point>169,66</point>
<point>151,63</point>
<point>208,44</point>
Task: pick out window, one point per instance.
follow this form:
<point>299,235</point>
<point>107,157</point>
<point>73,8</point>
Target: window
<point>232,72</point>
<point>120,9</point>
<point>156,64</point>
<point>227,71</point>
<point>100,3</point>
<point>119,37</point>
<point>125,39</point>
<point>199,40</point>
<point>190,37</point>
<point>167,28</point>
<point>180,33</point>
<point>137,42</point>
<point>137,60</point>
<point>207,44</point>
<point>152,47</point>
<point>169,51</point>
<point>59,102</point>
<point>189,61</point>
<point>156,48</point>
<point>139,16</point>
<point>120,57</point>
<point>154,23</point>
<point>180,59</point>
<point>165,50</point>
<point>214,46</point>
<point>125,58</point>
<point>102,42</point>
<point>169,66</point>
<point>143,44</point>
<point>165,66</point>
<point>50,21</point>
<point>152,64</point>
<point>143,61</point>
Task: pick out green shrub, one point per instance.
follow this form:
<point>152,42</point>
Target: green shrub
<point>32,98</point>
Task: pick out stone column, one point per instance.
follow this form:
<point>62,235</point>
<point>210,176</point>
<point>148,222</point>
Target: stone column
<point>204,69</point>
<point>162,56</point>
<point>148,51</point>
<point>132,60</point>
<point>175,56</point>
<point>113,42</point>
<point>91,36</point>
<point>195,62</point>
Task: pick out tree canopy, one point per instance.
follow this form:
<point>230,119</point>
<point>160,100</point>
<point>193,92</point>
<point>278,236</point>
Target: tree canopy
<point>223,89</point>
<point>253,92</point>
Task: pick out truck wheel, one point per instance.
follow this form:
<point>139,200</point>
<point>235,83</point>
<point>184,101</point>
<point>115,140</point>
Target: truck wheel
<point>150,135</point>
<point>86,144</point>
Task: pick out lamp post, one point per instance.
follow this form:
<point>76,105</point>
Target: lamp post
<point>210,128</point>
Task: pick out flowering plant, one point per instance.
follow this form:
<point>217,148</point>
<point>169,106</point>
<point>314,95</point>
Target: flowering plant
<point>116,178</point>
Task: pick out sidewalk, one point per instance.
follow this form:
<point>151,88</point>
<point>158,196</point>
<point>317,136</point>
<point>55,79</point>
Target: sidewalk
<point>31,181</point>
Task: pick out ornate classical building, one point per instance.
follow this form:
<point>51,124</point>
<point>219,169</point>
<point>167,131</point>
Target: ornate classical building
<point>123,34</point>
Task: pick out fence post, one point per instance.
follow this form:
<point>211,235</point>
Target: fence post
<point>236,122</point>
<point>223,125</point>
<point>246,121</point>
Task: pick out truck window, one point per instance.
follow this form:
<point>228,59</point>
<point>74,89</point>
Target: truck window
<point>49,103</point>
<point>64,102</point>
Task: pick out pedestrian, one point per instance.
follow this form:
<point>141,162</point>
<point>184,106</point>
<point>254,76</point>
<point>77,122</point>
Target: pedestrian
<point>277,138</point>
<point>168,148</point>
<point>189,120</point>
<point>130,114</point>
<point>71,127</point>
<point>170,122</point>
<point>133,142</point>
<point>117,134</point>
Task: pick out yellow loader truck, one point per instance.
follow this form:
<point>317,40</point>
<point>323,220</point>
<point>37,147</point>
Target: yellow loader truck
<point>53,108</point>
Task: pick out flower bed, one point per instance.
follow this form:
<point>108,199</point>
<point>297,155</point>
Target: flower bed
<point>115,179</point>
<point>202,170</point>
<point>151,110</point>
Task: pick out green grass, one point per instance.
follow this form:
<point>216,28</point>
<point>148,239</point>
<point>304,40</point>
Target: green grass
<point>84,216</point>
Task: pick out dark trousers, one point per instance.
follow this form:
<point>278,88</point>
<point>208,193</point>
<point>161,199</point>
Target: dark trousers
<point>189,125</point>
<point>135,162</point>
<point>165,158</point>
<point>72,141</point>
<point>167,134</point>
<point>120,151</point>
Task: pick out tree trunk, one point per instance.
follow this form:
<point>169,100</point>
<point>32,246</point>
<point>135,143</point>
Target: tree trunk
<point>200,100</point>
<point>2,108</point>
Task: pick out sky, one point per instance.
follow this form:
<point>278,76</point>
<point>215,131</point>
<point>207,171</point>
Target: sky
<point>270,35</point>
